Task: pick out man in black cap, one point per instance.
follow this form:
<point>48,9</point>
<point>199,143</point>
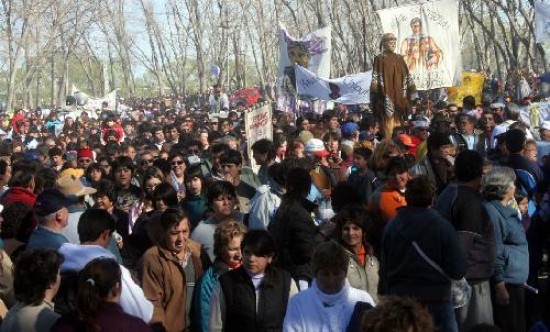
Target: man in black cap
<point>52,216</point>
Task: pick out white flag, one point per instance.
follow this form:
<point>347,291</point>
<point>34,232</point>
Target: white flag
<point>348,90</point>
<point>542,22</point>
<point>429,40</point>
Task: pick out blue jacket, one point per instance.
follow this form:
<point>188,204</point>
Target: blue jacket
<point>404,272</point>
<point>512,260</point>
<point>209,282</point>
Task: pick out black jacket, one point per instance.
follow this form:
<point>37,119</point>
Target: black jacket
<point>404,272</point>
<point>463,207</point>
<point>240,300</point>
<point>296,237</point>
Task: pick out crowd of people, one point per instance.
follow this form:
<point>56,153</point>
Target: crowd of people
<point>160,221</point>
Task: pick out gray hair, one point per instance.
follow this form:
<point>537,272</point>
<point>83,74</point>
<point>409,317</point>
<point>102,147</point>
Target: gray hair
<point>512,111</point>
<point>497,181</point>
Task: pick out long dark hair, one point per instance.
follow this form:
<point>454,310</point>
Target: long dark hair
<point>95,282</point>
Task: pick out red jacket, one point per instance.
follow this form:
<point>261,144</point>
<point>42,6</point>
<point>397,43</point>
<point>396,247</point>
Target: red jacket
<point>18,194</point>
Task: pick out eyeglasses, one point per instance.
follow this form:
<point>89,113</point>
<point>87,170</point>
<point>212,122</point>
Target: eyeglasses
<point>177,163</point>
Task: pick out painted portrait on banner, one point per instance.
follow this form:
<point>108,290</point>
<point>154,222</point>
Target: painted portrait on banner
<point>429,41</point>
<point>311,52</point>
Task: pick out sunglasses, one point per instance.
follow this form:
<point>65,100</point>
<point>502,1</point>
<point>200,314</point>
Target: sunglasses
<point>177,163</point>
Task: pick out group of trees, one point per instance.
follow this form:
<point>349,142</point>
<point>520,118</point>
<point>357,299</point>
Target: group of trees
<point>160,47</point>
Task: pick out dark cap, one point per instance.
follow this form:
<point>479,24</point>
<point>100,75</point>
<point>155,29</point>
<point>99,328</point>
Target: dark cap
<point>49,201</point>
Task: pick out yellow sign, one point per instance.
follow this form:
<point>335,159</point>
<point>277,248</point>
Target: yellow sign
<point>471,85</point>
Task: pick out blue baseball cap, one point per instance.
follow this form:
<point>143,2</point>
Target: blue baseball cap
<point>51,200</point>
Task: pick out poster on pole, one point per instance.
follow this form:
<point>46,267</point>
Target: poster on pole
<point>312,52</point>
<point>428,38</point>
<point>258,125</point>
<point>347,90</point>
<point>471,85</point>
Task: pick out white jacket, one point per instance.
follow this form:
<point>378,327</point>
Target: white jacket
<point>132,299</point>
<point>306,310</point>
<point>263,207</point>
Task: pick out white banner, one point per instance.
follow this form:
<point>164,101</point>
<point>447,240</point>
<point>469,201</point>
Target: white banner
<point>429,40</point>
<point>312,52</point>
<point>96,103</point>
<point>258,125</point>
<point>542,22</point>
<point>349,90</point>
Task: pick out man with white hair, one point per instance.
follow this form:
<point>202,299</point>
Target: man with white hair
<point>52,214</point>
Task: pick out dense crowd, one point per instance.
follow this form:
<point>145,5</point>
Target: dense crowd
<point>160,220</point>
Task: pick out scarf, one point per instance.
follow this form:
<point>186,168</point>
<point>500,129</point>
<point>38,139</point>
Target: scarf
<point>331,307</point>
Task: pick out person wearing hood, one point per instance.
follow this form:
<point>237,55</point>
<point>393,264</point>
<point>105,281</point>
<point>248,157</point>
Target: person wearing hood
<point>403,269</point>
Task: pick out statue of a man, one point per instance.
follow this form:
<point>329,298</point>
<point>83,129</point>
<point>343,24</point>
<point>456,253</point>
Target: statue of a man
<point>392,87</point>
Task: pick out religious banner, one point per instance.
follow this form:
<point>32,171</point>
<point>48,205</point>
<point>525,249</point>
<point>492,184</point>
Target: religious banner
<point>258,124</point>
<point>471,84</point>
<point>542,22</point>
<point>312,52</point>
<point>429,40</point>
<point>348,90</point>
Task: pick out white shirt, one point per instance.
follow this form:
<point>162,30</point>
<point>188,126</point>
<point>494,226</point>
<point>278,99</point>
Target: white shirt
<point>132,300</point>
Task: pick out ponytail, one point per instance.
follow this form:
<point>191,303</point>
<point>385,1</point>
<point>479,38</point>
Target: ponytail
<point>96,280</point>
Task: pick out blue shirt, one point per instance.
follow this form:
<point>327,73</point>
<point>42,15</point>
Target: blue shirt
<point>43,238</point>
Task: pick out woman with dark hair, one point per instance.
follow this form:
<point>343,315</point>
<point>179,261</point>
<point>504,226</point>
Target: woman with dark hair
<point>351,232</point>
<point>221,199</point>
<point>105,163</point>
<point>150,179</point>
<point>177,176</point>
<point>99,289</point>
<point>105,198</point>
<point>385,200</point>
<point>280,144</point>
<point>164,196</point>
<point>36,281</point>
<point>194,202</point>
<point>293,228</point>
<point>170,270</point>
<point>94,173</point>
<point>254,296</point>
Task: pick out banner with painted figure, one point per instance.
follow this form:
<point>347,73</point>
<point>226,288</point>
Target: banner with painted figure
<point>471,84</point>
<point>428,38</point>
<point>542,22</point>
<point>349,90</point>
<point>312,52</point>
